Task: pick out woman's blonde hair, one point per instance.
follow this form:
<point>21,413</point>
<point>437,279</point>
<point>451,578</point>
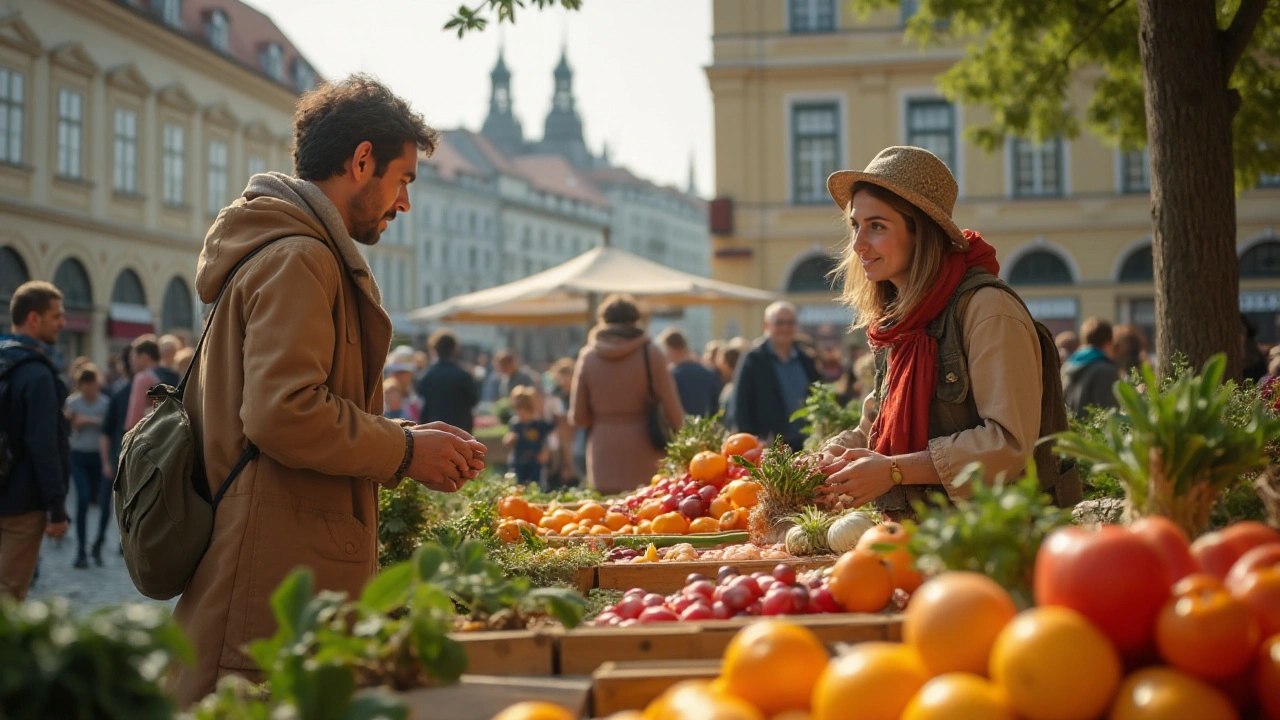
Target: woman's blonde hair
<point>878,303</point>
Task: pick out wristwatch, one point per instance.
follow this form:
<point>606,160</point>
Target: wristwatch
<point>894,473</point>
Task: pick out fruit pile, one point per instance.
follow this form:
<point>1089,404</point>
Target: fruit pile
<point>686,552</point>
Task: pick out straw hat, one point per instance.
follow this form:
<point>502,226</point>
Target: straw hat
<point>913,173</point>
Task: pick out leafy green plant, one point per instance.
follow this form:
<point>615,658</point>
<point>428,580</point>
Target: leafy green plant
<point>403,515</point>
<point>696,435</point>
<point>490,598</point>
<point>826,415</point>
<point>1174,447</point>
<point>545,566</point>
<point>996,532</point>
<point>788,482</point>
<point>108,664</point>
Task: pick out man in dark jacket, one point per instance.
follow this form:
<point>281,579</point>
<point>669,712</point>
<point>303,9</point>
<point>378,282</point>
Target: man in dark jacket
<point>448,391</point>
<point>34,490</point>
<point>772,381</point>
<point>699,387</point>
<point>1089,373</point>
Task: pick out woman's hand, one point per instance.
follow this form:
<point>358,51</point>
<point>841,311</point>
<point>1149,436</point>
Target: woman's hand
<point>864,478</point>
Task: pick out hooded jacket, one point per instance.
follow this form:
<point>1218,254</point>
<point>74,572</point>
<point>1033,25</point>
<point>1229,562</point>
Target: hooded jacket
<point>293,363</point>
<point>1088,376</point>
<point>39,434</point>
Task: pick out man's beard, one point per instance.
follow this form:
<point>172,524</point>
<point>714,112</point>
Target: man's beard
<point>365,215</point>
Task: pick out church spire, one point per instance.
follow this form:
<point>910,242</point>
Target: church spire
<point>501,126</point>
<point>563,131</point>
<point>693,178</point>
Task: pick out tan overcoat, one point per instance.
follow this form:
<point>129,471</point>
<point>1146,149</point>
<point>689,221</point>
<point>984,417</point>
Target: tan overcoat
<point>293,363</point>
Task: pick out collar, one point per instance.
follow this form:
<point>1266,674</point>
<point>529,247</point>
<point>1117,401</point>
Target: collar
<point>795,352</point>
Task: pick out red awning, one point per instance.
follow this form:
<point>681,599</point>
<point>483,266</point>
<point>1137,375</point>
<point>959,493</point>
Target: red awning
<point>79,321</point>
<point>121,330</point>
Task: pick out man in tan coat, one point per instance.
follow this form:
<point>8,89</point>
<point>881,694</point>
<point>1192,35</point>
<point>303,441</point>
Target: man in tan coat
<point>293,364</point>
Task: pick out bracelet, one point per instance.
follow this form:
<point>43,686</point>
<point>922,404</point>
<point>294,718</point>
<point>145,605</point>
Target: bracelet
<point>408,454</point>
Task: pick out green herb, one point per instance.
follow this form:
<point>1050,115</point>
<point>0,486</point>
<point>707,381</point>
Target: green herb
<point>697,434</point>
<point>599,599</point>
<point>826,415</point>
<point>544,566</point>
<point>997,532</point>
<point>788,481</point>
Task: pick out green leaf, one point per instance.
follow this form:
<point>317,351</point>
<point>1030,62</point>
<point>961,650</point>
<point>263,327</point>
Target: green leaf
<point>376,705</point>
<point>428,559</point>
<point>471,557</point>
<point>564,605</point>
<point>389,589</point>
<point>289,602</point>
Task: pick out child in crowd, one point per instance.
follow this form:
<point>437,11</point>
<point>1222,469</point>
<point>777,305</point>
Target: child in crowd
<point>527,438</point>
<point>393,400</point>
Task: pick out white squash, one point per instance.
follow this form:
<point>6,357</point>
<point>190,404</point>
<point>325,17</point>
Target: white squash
<point>846,530</point>
<point>798,543</point>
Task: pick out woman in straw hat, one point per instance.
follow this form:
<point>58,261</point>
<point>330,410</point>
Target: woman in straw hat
<point>957,368</point>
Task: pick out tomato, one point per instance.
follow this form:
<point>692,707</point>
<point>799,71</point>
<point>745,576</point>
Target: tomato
<point>1205,632</point>
<point>1111,576</point>
<point>1266,674</point>
<point>1263,556</point>
<point>1260,592</point>
<point>1170,541</point>
<point>1218,551</point>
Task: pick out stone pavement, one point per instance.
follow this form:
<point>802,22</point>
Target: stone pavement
<point>91,588</point>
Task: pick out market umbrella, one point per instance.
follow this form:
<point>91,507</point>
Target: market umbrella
<point>562,295</point>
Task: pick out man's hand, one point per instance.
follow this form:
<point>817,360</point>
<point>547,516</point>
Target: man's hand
<point>478,449</point>
<point>56,530</point>
<point>442,460</point>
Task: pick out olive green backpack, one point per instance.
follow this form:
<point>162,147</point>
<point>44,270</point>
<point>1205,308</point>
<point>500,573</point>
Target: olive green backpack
<point>161,496</point>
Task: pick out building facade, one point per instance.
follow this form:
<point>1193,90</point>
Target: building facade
<point>125,126</point>
<point>803,88</point>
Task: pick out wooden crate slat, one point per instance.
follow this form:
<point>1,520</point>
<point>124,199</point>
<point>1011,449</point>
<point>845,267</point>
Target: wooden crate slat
<point>513,652</point>
<point>481,697</point>
<point>618,686</point>
<point>583,650</point>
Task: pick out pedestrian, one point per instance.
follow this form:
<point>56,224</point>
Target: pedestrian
<point>1129,344</point>
<point>402,367</point>
<point>730,355</point>
<point>773,380</point>
<point>619,380</point>
<point>1090,373</point>
<point>448,392</point>
<point>960,370</point>
<point>167,369</point>
<point>1067,342</point>
<point>182,361</point>
<point>1253,361</point>
<point>711,354</point>
<point>527,437</point>
<point>393,405</point>
<point>563,468</point>
<point>112,431</point>
<point>699,387</point>
<point>33,486</point>
<point>506,376</point>
<point>289,378</point>
<point>87,409</point>
<point>146,374</point>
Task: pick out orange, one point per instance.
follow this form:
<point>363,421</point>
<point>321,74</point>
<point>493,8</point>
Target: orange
<point>645,527</point>
<point>591,512</point>
<point>533,514</point>
<point>615,521</point>
<point>861,581</point>
<point>557,520</point>
<point>601,530</point>
<point>739,443</point>
<point>958,695</point>
<point>1260,590</point>
<point>535,711</point>
<point>731,520</point>
<point>773,665</point>
<point>513,506</point>
<point>627,529</point>
<point>649,509</point>
<point>719,506</point>
<point>1266,678</point>
<point>873,681</point>
<point>672,523</point>
<point>704,525</point>
<point>1053,664</point>
<point>569,527</point>
<point>953,621</point>
<point>1157,693</point>
<point>1206,632</point>
<point>707,466</point>
<point>905,575</point>
<point>743,493</point>
<point>699,700</point>
<point>508,531</point>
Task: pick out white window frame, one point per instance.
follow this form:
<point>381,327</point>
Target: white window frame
<point>70,134</point>
<point>125,151</point>
<point>272,61</point>
<point>1010,164</point>
<point>217,30</point>
<point>171,12</point>
<point>218,158</point>
<point>905,97</point>
<point>257,165</point>
<point>173,165</point>
<point>13,109</point>
<point>842,125</point>
<point>812,12</point>
<point>1122,174</point>
<point>304,77</point>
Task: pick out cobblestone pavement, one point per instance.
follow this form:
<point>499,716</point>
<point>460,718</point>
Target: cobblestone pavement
<point>90,588</point>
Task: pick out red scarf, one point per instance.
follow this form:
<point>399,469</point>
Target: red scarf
<point>902,425</point>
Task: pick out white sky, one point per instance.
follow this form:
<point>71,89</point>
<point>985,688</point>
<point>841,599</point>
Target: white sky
<point>638,69</point>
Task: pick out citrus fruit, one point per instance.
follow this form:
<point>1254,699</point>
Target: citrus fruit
<point>569,527</point>
<point>649,509</point>
<point>590,512</point>
<point>600,530</point>
<point>707,466</point>
<point>645,527</point>
<point>903,563</point>
<point>557,520</point>
<point>953,621</point>
<point>508,531</point>
<point>699,700</point>
<point>530,710</point>
<point>615,521</point>
<point>743,493</point>
<point>1159,693</point>
<point>513,506</point>
<point>1266,678</point>
<point>704,525</point>
<point>731,520</point>
<point>958,695</point>
<point>672,523</point>
<point>1205,632</point>
<point>861,581</point>
<point>773,665</point>
<point>719,507</point>
<point>739,443</point>
<point>873,681</point>
<point>533,514</point>
<point>1053,664</point>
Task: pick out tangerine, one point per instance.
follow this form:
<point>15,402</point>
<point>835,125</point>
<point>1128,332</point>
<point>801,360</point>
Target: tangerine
<point>699,700</point>
<point>1205,632</point>
<point>513,506</point>
<point>533,514</point>
<point>719,506</point>
<point>1266,678</point>
<point>1260,591</point>
<point>601,530</point>
<point>731,520</point>
<point>953,620</point>
<point>592,512</point>
<point>958,695</point>
<point>568,528</point>
<point>739,443</point>
<point>530,710</point>
<point>557,520</point>
<point>649,509</point>
<point>508,531</point>
<point>873,681</point>
<point>905,575</point>
<point>1156,693</point>
<point>861,581</point>
<point>708,466</point>
<point>672,523</point>
<point>1053,664</point>
<point>645,527</point>
<point>773,665</point>
<point>616,521</point>
<point>704,525</point>
<point>746,494</point>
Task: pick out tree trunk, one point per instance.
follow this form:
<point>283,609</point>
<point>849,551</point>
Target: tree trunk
<point>1193,204</point>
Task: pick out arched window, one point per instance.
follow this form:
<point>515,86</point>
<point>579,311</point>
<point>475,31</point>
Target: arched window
<point>1261,261</point>
<point>1138,266</point>
<point>177,313</point>
<point>1040,267</point>
<point>813,275</point>
<point>128,289</point>
<point>73,281</point>
<point>13,272</point>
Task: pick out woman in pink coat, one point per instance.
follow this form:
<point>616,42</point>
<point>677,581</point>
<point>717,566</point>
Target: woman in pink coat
<point>611,398</point>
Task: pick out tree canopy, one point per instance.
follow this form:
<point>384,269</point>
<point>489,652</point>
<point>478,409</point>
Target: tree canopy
<point>467,19</point>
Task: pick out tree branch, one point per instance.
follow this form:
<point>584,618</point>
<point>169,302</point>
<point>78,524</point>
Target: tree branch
<point>1236,36</point>
<point>1084,37</point>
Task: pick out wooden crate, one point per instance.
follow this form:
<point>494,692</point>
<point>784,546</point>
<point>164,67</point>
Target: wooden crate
<point>480,697</point>
<point>509,652</point>
<point>617,686</point>
<point>668,577</point>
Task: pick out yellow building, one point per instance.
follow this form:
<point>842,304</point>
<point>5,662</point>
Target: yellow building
<point>803,87</point>
<point>125,126</point>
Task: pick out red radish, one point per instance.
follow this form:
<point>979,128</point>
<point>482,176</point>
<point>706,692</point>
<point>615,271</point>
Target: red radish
<point>606,618</point>
<point>670,505</point>
<point>691,507</point>
<point>628,623</point>
<point>748,584</point>
<point>815,582</point>
<point>785,574</point>
<point>720,611</point>
<point>760,574</point>
<point>700,589</point>
<point>653,600</point>
<point>695,577</point>
<point>725,574</point>
<point>657,614</point>
<point>708,493</point>
<point>635,592</point>
<point>698,611</point>
<point>778,602</point>
<point>755,608</point>
<point>681,603</point>
<point>823,601</point>
<point>737,597</point>
<point>630,608</point>
<point>768,583</point>
<point>800,597</point>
